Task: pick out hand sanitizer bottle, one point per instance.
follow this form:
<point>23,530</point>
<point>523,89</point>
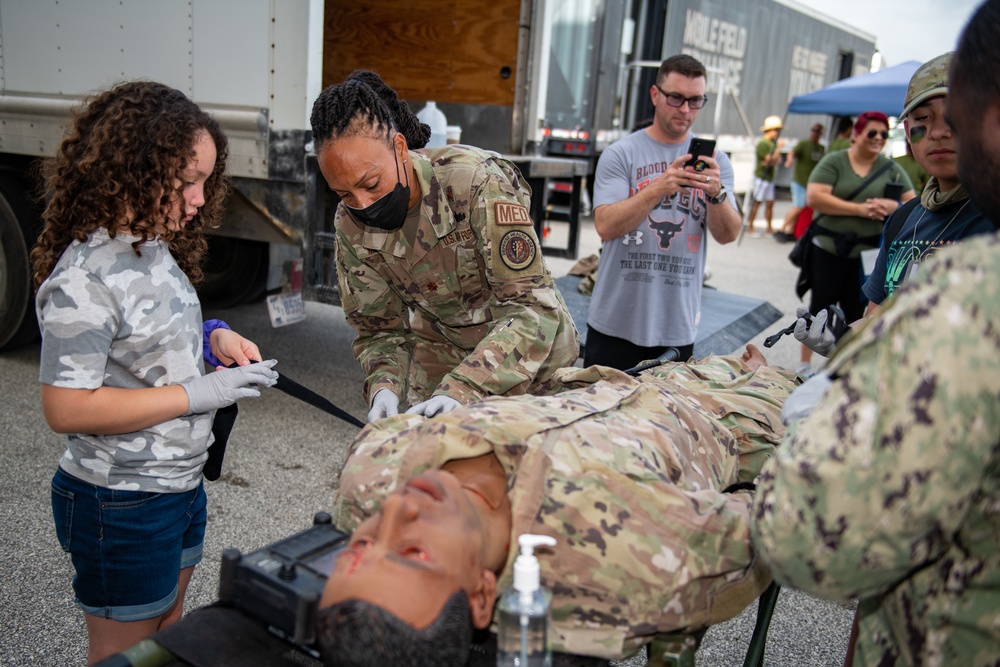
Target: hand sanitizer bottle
<point>522,640</point>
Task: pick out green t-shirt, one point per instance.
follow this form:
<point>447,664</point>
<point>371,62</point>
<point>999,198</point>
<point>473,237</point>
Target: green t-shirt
<point>835,169</point>
<point>839,144</point>
<point>807,155</point>
<point>764,148</point>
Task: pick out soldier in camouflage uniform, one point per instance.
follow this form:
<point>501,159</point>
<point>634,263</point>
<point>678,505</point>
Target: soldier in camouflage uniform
<point>628,474</point>
<point>129,195</point>
<point>889,491</point>
<point>440,271</point>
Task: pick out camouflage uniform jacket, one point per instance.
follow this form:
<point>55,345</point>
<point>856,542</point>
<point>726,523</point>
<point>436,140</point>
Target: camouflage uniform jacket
<point>109,317</point>
<point>890,490</point>
<point>626,473</point>
<point>472,265</point>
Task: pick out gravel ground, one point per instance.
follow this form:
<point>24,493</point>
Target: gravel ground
<point>282,466</point>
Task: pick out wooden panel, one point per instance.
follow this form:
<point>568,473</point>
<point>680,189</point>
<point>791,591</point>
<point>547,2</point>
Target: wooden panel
<point>451,51</point>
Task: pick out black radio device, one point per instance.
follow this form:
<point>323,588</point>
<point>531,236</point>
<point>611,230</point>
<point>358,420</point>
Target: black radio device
<point>281,584</point>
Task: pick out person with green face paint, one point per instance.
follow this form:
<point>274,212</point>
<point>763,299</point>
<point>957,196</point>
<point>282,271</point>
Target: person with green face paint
<point>945,214</point>
<point>888,491</point>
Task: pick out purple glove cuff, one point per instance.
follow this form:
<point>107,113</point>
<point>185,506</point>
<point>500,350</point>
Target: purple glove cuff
<point>206,334</point>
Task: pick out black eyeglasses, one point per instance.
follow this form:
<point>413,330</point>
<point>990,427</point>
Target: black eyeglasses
<point>871,133</point>
<point>677,101</point>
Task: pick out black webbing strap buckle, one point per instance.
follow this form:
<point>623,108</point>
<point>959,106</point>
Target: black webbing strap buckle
<point>225,419</point>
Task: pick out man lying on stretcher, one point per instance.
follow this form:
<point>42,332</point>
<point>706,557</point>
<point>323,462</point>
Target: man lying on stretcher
<point>628,474</point>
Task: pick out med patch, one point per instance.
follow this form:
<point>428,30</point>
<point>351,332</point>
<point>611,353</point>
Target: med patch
<point>510,213</point>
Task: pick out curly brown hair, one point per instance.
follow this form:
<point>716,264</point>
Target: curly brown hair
<point>119,166</point>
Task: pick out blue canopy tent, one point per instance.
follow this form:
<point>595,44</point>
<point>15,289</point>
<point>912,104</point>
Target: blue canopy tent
<point>883,91</point>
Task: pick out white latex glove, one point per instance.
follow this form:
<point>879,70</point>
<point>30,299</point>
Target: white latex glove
<point>800,403</point>
<point>438,405</point>
<point>221,388</point>
<point>384,404</point>
<point>815,335</point>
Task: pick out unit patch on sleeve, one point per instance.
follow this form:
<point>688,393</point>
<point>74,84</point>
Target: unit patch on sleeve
<point>517,250</point>
<point>510,213</point>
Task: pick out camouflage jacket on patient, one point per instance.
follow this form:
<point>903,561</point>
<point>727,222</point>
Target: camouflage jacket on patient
<point>459,301</point>
<point>890,490</point>
<point>626,473</point>
<point>111,318</point>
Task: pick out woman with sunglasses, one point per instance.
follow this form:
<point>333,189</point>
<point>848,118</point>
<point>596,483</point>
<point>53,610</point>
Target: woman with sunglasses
<point>440,271</point>
<point>849,220</point>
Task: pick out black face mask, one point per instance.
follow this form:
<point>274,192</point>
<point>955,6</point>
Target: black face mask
<point>388,212</point>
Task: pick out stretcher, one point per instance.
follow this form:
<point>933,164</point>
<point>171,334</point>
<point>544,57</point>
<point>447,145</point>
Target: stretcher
<point>217,636</point>
<point>221,636</point>
<point>266,615</point>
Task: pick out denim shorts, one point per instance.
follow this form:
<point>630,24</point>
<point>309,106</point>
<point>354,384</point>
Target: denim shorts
<point>798,195</point>
<point>128,547</point>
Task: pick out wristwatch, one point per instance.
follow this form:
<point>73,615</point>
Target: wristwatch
<point>721,197</point>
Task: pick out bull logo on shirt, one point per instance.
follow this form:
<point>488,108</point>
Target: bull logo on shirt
<point>683,204</point>
<point>665,231</point>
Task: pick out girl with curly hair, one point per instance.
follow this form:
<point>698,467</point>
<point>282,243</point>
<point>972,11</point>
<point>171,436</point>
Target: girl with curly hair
<point>132,189</point>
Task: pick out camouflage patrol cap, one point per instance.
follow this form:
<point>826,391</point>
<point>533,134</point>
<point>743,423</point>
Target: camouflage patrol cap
<point>930,80</point>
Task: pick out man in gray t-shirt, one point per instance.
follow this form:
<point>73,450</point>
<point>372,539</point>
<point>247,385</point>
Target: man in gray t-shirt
<point>652,212</point>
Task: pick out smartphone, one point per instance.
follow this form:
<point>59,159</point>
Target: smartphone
<point>697,148</point>
<point>893,191</point>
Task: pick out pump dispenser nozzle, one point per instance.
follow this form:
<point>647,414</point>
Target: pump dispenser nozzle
<point>526,571</point>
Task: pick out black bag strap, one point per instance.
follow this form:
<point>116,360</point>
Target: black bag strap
<point>864,184</point>
<point>897,220</point>
<point>871,177</point>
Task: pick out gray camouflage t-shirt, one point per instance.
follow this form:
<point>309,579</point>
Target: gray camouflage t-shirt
<point>111,318</point>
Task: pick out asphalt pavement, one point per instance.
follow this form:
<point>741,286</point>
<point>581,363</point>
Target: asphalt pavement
<point>282,466</point>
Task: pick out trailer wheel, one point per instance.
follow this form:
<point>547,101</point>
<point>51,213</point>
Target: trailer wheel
<point>19,226</point>
<point>235,273</point>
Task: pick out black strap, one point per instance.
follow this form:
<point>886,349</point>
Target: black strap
<point>864,184</point>
<point>293,388</point>
<point>222,426</point>
<point>740,486</point>
<point>225,420</point>
<point>896,221</point>
<point>871,177</point>
<point>670,354</point>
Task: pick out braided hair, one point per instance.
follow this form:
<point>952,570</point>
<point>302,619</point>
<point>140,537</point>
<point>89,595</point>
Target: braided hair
<point>364,105</point>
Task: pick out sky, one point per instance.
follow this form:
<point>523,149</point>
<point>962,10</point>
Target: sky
<point>904,29</point>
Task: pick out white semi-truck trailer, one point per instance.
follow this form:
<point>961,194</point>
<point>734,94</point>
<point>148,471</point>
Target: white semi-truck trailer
<point>257,66</point>
<point>548,83</point>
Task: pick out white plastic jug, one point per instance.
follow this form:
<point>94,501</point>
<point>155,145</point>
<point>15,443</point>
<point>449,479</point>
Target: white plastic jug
<point>434,117</point>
